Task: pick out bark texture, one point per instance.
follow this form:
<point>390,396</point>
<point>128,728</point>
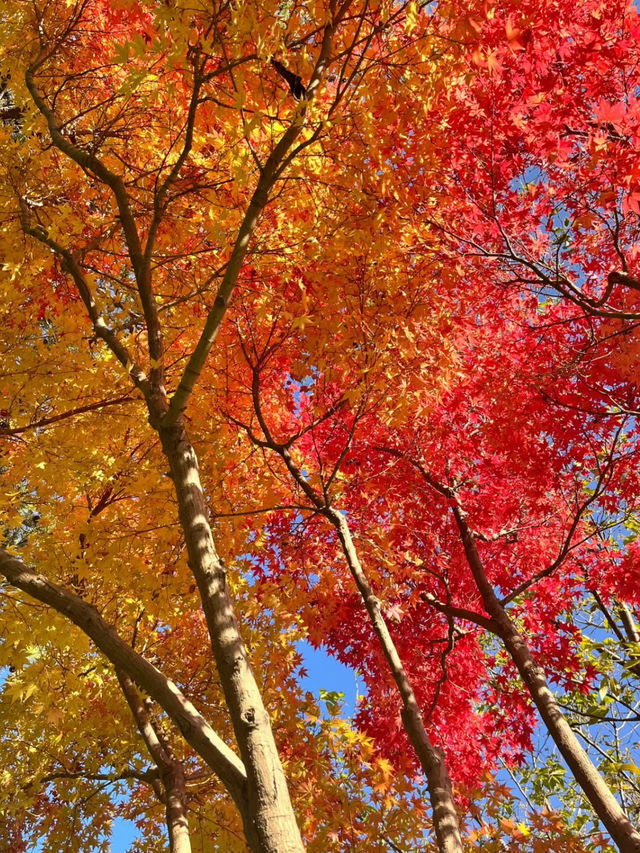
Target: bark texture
<point>444,815</point>
<point>176,809</point>
<point>171,771</point>
<point>270,823</point>
<point>605,805</point>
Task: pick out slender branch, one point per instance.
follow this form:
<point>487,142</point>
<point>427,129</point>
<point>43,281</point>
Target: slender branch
<point>195,729</point>
<point>607,615</point>
<point>604,477</point>
<point>177,166</point>
<point>259,200</point>
<point>63,416</point>
<point>149,775</point>
<point>93,164</point>
<point>145,727</point>
<point>71,266</point>
<point>460,613</point>
<point>445,491</point>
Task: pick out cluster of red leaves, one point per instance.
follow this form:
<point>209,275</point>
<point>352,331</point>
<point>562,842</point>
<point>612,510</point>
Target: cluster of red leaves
<point>535,423</point>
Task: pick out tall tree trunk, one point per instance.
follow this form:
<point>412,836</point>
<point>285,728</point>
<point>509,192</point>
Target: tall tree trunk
<point>445,818</point>
<point>269,820</point>
<point>605,805</point>
<point>172,791</point>
<point>176,808</point>
<point>431,758</point>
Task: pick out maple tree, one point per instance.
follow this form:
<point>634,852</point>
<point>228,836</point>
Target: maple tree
<point>77,134</point>
<point>551,208</point>
<point>301,256</point>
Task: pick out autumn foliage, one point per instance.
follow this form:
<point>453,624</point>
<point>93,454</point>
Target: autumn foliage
<point>320,326</point>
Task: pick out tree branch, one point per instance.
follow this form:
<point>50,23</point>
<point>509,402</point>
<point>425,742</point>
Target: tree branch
<point>145,727</point>
<point>149,775</point>
<point>63,416</point>
<point>127,219</point>
<point>195,729</point>
<point>268,176</point>
<point>460,612</point>
<point>71,266</point>
<point>92,164</point>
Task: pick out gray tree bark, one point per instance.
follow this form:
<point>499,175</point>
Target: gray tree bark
<point>431,758</point>
<point>605,805</point>
<point>171,771</point>
<point>271,826</point>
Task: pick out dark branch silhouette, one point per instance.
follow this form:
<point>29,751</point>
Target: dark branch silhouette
<point>295,82</point>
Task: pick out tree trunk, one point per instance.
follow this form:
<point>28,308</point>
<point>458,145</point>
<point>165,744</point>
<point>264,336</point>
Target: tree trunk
<point>618,825</point>
<point>431,758</point>
<point>172,791</point>
<point>269,820</point>
<point>605,805</point>
<point>176,809</point>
